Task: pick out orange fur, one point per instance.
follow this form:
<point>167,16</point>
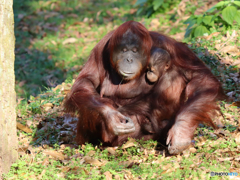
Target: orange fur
<point>183,96</point>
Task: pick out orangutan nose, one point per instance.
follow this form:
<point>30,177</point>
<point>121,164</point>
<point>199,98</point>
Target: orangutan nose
<point>129,60</point>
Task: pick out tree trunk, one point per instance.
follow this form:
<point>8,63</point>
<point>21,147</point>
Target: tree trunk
<point>8,135</point>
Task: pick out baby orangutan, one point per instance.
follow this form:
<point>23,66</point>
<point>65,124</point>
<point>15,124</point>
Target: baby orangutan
<point>159,62</point>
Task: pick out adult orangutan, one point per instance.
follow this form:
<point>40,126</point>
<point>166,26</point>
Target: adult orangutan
<point>115,97</point>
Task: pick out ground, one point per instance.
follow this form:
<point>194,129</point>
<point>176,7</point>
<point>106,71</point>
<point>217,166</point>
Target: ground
<point>54,39</point>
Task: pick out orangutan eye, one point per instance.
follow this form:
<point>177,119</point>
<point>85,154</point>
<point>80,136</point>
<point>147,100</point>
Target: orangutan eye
<point>134,50</point>
<point>124,49</point>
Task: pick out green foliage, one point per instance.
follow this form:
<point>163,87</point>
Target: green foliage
<point>224,15</point>
<point>88,147</point>
<point>41,56</point>
<point>68,151</point>
<point>34,104</point>
<point>150,7</point>
<point>150,144</point>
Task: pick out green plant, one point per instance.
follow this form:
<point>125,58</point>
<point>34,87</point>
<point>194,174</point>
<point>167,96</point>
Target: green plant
<point>68,151</point>
<point>149,7</point>
<point>88,147</point>
<point>221,16</point>
<point>34,106</point>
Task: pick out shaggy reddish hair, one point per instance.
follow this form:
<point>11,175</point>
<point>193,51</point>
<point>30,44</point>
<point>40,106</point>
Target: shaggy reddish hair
<point>136,28</point>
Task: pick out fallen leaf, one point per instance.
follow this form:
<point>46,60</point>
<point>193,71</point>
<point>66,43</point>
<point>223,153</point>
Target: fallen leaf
<point>53,42</point>
<point>24,128</point>
<point>229,49</point>
<point>178,36</point>
<point>155,23</point>
<point>192,150</point>
<point>128,174</point>
<point>221,132</point>
<point>237,158</point>
<point>226,61</point>
<point>78,155</point>
<point>45,162</point>
<point>214,135</point>
<point>237,138</point>
<point>212,35</point>
<point>109,13</point>
<point>81,23</point>
<point>51,14</point>
<point>65,169</point>
<point>117,177</point>
<point>201,141</point>
<point>179,158</point>
<point>108,175</point>
<point>42,173</point>
<point>111,150</point>
<point>98,14</point>
<point>23,149</point>
<point>237,103</point>
<point>129,143</point>
<point>91,153</point>
<point>72,15</point>
<point>92,161</point>
<point>47,106</point>
<point>132,11</point>
<point>176,165</point>
<point>235,54</point>
<point>126,163</point>
<point>19,101</point>
<point>218,46</point>
<point>77,169</point>
<point>54,154</point>
<point>22,83</point>
<point>169,170</point>
<point>236,62</point>
<point>69,41</point>
<point>186,153</point>
<point>226,159</point>
<point>166,167</point>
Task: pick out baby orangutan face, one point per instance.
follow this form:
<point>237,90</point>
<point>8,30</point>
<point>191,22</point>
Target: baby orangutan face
<point>159,62</point>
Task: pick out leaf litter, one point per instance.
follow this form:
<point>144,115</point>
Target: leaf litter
<point>51,133</point>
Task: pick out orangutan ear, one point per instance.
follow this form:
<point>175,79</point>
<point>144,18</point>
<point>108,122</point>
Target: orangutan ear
<point>167,66</point>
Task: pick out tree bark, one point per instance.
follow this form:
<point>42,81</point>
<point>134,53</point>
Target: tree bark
<point>8,132</point>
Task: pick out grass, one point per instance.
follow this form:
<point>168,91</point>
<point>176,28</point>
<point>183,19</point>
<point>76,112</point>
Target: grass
<point>134,162</point>
<point>53,41</point>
